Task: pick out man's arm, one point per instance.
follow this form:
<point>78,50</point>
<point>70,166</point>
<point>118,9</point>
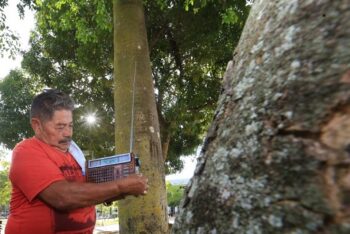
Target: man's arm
<point>64,195</point>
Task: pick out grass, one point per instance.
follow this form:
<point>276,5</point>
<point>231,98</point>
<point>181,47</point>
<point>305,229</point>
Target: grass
<point>106,222</point>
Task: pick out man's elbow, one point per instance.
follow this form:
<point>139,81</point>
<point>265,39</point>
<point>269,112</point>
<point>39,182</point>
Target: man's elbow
<point>59,196</point>
<point>59,203</point>
<point>62,205</point>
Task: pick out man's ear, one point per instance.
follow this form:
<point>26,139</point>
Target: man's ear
<point>35,122</point>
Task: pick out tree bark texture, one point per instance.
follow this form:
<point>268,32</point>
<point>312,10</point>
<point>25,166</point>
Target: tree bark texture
<point>147,214</point>
<point>277,156</point>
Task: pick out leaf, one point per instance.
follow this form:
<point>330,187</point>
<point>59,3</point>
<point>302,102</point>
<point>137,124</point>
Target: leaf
<point>230,16</point>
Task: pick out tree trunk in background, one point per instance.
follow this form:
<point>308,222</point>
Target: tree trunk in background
<point>165,137</point>
<point>277,156</point>
<point>146,214</point>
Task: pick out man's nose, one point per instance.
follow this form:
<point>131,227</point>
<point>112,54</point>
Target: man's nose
<point>68,132</point>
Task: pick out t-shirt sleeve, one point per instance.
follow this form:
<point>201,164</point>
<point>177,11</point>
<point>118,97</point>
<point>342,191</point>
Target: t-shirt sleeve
<point>32,170</point>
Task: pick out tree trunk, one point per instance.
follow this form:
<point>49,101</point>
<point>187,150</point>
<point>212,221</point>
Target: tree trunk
<point>165,136</point>
<point>131,59</point>
<point>277,156</point>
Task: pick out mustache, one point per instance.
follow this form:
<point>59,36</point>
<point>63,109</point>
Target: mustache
<point>65,140</point>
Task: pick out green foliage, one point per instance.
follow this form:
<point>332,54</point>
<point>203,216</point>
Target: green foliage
<point>88,19</point>
<point>5,186</point>
<point>188,61</point>
<point>230,16</point>
<point>174,194</point>
<point>73,50</point>
<point>232,10</point>
<point>9,44</point>
<point>9,40</point>
<point>17,91</point>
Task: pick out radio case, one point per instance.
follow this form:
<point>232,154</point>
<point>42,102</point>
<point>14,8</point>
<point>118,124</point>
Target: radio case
<point>111,168</point>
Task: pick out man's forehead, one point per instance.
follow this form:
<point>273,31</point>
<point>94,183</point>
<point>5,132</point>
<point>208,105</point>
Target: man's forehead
<point>62,116</point>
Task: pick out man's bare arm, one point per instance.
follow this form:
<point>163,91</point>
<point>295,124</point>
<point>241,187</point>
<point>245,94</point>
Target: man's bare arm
<point>64,195</point>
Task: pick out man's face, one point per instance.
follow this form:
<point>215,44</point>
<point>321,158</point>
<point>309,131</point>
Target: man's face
<point>57,131</point>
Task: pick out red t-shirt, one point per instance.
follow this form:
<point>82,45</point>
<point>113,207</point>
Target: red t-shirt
<point>35,165</point>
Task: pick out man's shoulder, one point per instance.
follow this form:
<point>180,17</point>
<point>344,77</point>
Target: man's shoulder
<point>26,144</point>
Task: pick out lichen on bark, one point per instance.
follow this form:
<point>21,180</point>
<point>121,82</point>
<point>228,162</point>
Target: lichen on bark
<point>276,158</point>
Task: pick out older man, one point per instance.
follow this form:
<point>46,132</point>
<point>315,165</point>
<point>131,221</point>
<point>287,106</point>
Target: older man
<point>49,192</point>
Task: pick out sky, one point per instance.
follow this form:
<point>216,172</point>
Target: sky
<point>23,27</point>
<point>188,170</point>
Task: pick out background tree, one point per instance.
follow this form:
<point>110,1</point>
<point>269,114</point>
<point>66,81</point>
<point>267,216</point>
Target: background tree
<point>174,194</point>
<point>276,158</point>
<point>8,39</point>
<point>17,91</point>
<point>5,187</point>
<point>135,103</point>
<point>187,63</point>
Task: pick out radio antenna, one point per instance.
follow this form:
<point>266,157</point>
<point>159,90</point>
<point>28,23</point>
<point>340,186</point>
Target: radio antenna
<point>132,112</point>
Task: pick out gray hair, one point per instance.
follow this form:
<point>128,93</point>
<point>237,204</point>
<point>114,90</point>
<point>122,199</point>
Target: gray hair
<point>46,103</point>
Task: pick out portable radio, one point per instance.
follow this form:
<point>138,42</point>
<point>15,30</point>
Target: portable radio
<point>112,168</point>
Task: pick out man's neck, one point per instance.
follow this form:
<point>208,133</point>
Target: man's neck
<point>53,146</point>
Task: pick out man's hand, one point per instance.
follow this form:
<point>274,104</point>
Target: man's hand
<point>133,185</point>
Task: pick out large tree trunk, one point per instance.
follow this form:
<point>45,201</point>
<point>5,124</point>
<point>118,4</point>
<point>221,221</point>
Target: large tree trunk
<point>146,214</point>
<point>277,157</point>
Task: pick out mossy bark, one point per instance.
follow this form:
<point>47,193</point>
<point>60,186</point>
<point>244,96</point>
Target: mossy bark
<point>147,214</point>
<point>277,156</point>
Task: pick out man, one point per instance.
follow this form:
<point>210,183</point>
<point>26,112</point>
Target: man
<point>49,192</point>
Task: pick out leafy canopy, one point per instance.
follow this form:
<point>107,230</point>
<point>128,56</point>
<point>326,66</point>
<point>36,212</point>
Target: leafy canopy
<point>72,50</point>
<point>17,91</point>
<point>9,45</point>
